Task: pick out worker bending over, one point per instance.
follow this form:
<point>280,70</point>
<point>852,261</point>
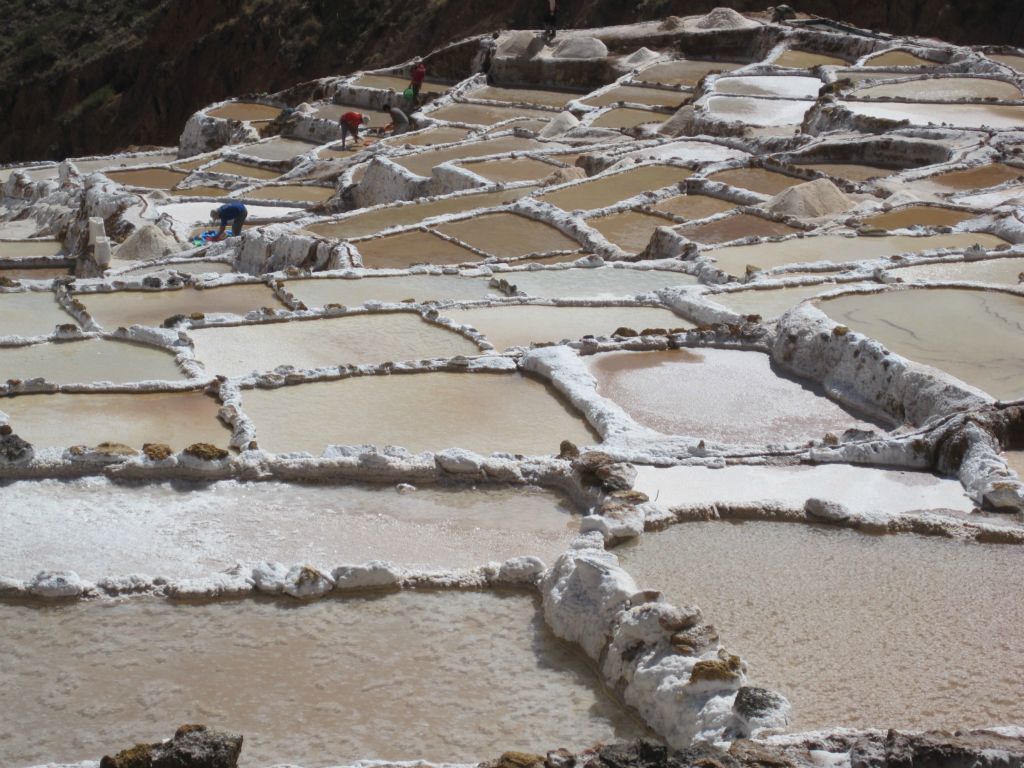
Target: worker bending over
<point>232,211</point>
<point>350,123</point>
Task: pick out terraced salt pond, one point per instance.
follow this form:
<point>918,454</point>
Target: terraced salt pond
<point>297,192</point>
<point>409,248</point>
<point>897,58</point>
<point>71,362</point>
<point>135,670</point>
<point>277,149</point>
<point>423,163</point>
<point>245,110</point>
<point>694,206</point>
<point>599,283</point>
<point>735,227</point>
<point>683,72</point>
<point>771,302</point>
<point>515,169</point>
<point>481,412</point>
<point>238,169</point>
<point>31,313</point>
<point>759,112</point>
<point>187,267</point>
<point>419,288</point>
<point>838,249</point>
<point>626,117</point>
<point>719,395</point>
<point>59,421</point>
<point>976,177</point>
<point>149,178</point>
<point>918,216</point>
<point>851,171</point>
<point>182,530</point>
<point>479,114</point>
<point>844,624</point>
<point>521,325</point>
<point>943,89</point>
<point>784,86</point>
<point>18,249</point>
<point>798,59</point>
<point>606,190</point>
<point>973,335</point>
<point>756,180</point>
<point>1005,271</point>
<point>507,235</point>
<point>652,97</point>
<point>630,230</point>
<point>523,95</point>
<point>238,350</point>
<point>127,308</point>
<point>996,116</point>
<point>399,84</point>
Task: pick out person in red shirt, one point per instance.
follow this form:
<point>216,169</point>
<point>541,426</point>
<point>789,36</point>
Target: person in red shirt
<point>351,122</point>
<point>416,78</point>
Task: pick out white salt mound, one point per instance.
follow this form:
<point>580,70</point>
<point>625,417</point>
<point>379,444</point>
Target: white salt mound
<point>809,200</point>
<point>580,48</point>
<point>723,18</point>
<point>147,243</point>
<point>516,44</point>
<point>565,121</point>
<point>640,56</point>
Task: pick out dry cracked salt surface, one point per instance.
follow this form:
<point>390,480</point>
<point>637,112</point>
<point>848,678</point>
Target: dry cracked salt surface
<point>100,529</point>
<point>410,675</point>
<point>867,631</point>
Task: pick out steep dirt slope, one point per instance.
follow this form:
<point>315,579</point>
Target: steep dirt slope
<point>89,76</point>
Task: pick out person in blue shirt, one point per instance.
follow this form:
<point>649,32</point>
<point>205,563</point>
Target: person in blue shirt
<point>232,211</point>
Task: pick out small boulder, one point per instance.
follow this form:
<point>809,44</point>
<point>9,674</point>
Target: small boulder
<point>14,450</point>
<point>826,511</point>
<point>193,746</point>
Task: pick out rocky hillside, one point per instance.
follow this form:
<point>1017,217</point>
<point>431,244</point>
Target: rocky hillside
<point>89,76</point>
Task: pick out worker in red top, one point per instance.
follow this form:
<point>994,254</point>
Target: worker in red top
<point>416,78</point>
<point>350,123</point>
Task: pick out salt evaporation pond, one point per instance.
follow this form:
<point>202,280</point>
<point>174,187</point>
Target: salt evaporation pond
<point>245,110</point>
<point>600,282</point>
<point>399,84</point>
<point>632,94</point>
<point>98,164</point>
<point>630,230</point>
<point>480,412</point>
<point>851,171</point>
<point>897,58</point>
<point>974,335</point>
<point>238,169</point>
<point>508,235</point>
<point>943,89</point>
<point>34,273</point>
<point>862,490</point>
<point>277,149</point>
<point>423,163</point>
<point>997,116</point>
<point>178,419</point>
<point>786,86</point>
<point>301,193</point>
<point>126,308</point>
<point>351,292</point>
<point>92,360</point>
<point>625,117</point>
<point>520,325</point>
<point>798,59</point>
<point>856,630</point>
<point>734,227</point>
<point>409,675</point>
<point>769,302</point>
<point>439,134</point>
<point>838,249</point>
<point>479,114</point>
<point>178,530</point>
<point>511,169</point>
<point>604,191</point>
<point>758,111</point>
<point>409,248</point>
<point>523,95</point>
<point>150,178</point>
<point>684,72</point>
<point>187,267</point>
<point>1006,271</point>
<point>1010,60</point>
<point>756,180</point>
<point>694,206</point>
<point>977,177</point>
<point>717,394</point>
<point>18,249</point>
<point>918,216</point>
<point>237,350</point>
<point>31,313</point>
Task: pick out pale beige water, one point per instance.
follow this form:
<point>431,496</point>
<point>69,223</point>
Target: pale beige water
<point>716,394</point>
<point>479,114</point>
<point>30,273</point>
<point>798,59</point>
<point>863,75</point>
<point>918,215</point>
<point>768,303</point>
<point>441,134</point>
<point>240,349</point>
<point>943,89</point>
<point>423,163</point>
<point>684,72</point>
<point>191,165</point>
<point>277,148</point>
<point>632,94</point>
<point>150,178</point>
<point>200,191</point>
<point>973,335</point>
<point>630,230</point>
<point>694,206</point>
<point>398,84</point>
<point>353,292</point>
<point>848,626</point>
<point>852,171</point>
<point>733,228</point>
<point>370,222</point>
<point>335,111</point>
<point>185,530</point>
<point>30,313</point>
<point>625,117</point>
<point>17,249</point>
<point>513,169</point>
<point>599,282</point>
<point>84,362</point>
<point>897,58</point>
<point>1015,460</point>
<point>481,412</point>
<point>507,235</point>
<point>762,112</point>
<point>524,95</point>
<point>836,248</point>
<point>787,86</point>
<point>291,192</point>
<point>243,110</point>
<point>1010,60</point>
<point>188,267</point>
<point>410,675</point>
<point>996,116</point>
<point>178,419</point>
<point>125,308</point>
<point>91,166</point>
<point>519,326</point>
<point>756,180</point>
<point>237,169</point>
<point>607,190</point>
<point>1005,271</point>
<point>978,177</point>
<point>408,248</point>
